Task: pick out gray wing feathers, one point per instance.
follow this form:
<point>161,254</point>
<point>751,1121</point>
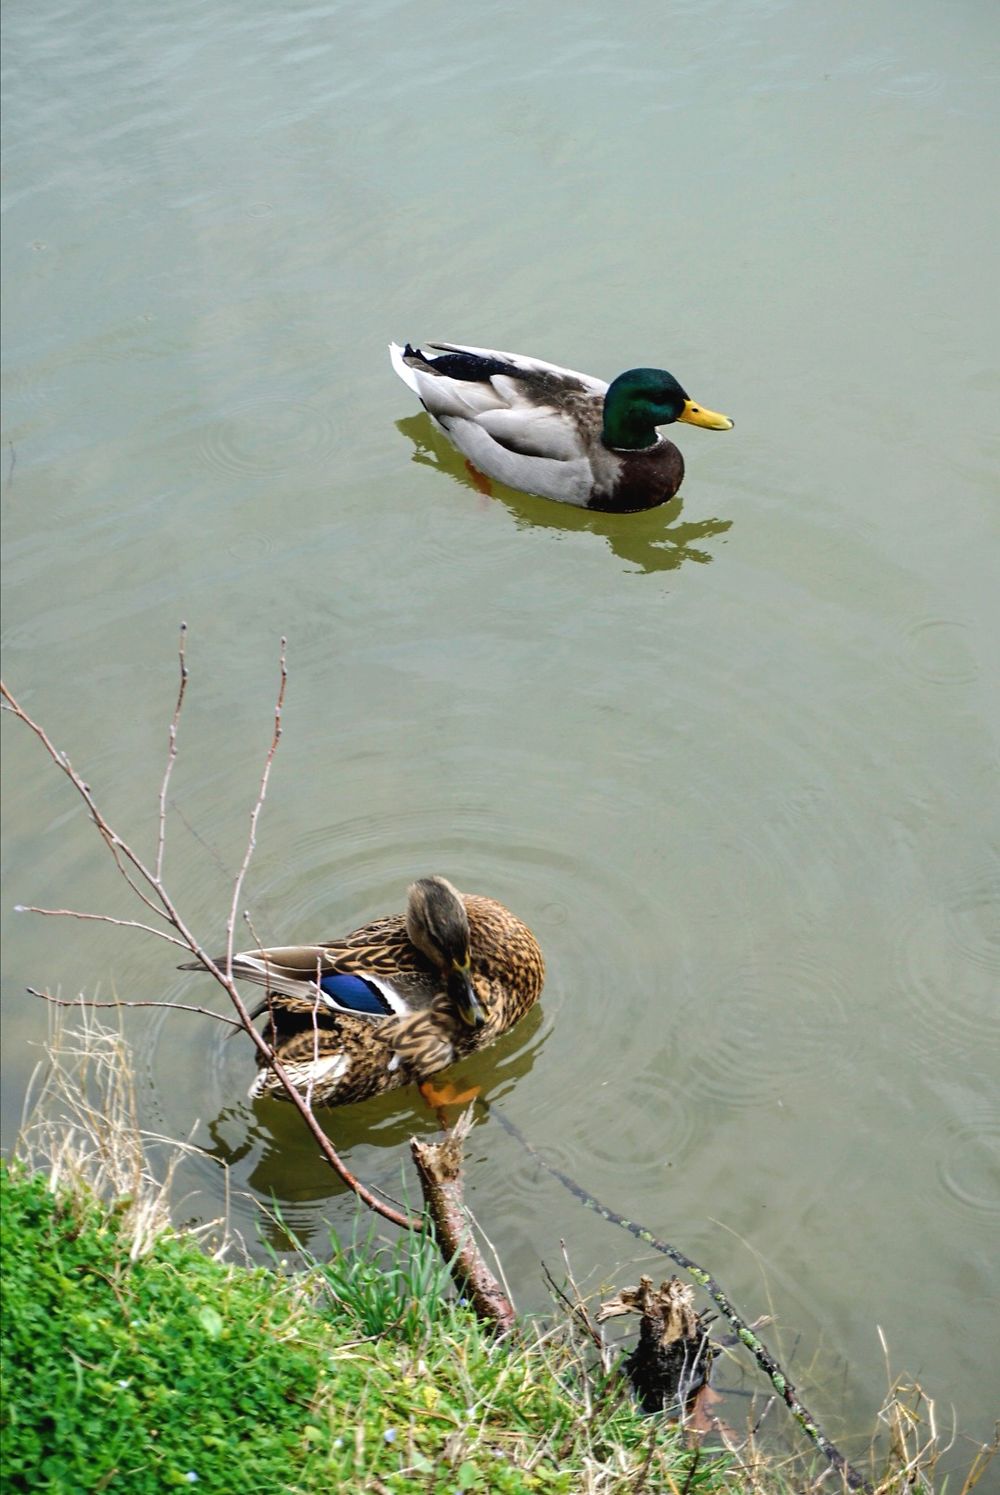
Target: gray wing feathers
<point>535,431</point>
<point>291,970</point>
<point>444,396</point>
<point>570,481</point>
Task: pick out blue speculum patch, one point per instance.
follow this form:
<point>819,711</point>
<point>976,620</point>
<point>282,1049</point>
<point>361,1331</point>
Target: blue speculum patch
<point>354,993</point>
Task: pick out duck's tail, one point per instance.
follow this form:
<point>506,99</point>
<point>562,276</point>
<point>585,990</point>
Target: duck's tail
<point>399,356</point>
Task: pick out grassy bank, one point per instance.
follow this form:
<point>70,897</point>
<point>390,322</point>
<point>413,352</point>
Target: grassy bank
<point>175,1370</point>
<point>134,1360</point>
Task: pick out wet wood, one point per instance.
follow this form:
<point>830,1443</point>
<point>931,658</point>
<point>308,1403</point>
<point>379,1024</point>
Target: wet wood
<point>439,1165</point>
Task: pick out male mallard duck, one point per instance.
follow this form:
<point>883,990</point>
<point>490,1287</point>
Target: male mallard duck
<point>396,1000</point>
<point>554,432</point>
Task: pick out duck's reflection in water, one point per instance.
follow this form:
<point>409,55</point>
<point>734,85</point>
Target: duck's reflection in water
<point>654,540</point>
<point>270,1152</point>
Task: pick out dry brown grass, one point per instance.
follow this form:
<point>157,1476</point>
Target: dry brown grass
<point>80,1127</point>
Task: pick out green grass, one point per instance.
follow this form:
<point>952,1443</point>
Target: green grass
<point>175,1370</point>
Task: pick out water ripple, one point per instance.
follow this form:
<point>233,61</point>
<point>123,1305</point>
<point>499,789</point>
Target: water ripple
<point>880,67</point>
<point>935,649</point>
<point>267,437</point>
<point>751,1056</point>
<point>923,84</point>
<point>973,915</point>
<point>969,1165</point>
<point>641,1123</point>
<point>944,957</point>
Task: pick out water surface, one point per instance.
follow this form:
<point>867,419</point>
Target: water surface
<point>734,760</point>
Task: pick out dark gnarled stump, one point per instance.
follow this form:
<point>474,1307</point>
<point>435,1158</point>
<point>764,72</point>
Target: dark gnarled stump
<point>670,1364</point>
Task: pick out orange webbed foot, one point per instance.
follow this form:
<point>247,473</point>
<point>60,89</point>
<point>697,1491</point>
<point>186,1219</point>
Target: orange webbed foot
<point>479,479</point>
<point>446,1095</point>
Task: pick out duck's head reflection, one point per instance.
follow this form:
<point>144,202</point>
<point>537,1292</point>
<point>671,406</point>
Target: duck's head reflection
<point>653,540</point>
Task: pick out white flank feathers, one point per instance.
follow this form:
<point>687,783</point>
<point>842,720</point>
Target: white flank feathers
<point>485,418</point>
<point>330,1068</point>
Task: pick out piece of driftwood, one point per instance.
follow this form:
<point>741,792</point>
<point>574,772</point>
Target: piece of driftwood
<point>440,1167</point>
<point>671,1362</point>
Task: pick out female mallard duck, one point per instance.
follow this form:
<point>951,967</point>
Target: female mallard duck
<point>396,1000</point>
<point>554,432</point>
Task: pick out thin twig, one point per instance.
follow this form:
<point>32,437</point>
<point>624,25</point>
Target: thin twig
<point>75,913</point>
<point>88,1002</point>
<point>255,812</point>
<point>120,850</point>
<point>166,909</point>
<point>161,834</point>
<point>577,1310</point>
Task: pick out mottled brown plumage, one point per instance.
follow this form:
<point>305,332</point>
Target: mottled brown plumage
<point>451,975</point>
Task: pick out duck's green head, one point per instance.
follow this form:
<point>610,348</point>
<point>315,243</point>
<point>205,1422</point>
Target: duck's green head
<point>438,925</point>
<point>641,399</point>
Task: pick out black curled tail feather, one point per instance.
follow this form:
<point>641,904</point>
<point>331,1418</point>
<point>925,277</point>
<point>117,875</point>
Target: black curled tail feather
<point>471,368</point>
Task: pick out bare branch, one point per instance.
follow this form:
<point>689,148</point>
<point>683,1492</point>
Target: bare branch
<point>161,835</point>
<point>123,853</point>
<point>112,840</point>
<point>578,1311</point>
<point>255,812</point>
<point>88,1002</point>
<point>75,913</point>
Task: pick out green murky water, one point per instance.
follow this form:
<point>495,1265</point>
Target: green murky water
<point>734,760</point>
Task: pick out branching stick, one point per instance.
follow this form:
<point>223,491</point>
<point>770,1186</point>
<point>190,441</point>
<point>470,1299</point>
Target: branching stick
<point>148,886</point>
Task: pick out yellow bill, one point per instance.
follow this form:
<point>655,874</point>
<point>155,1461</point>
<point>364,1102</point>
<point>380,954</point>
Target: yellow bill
<point>697,415</point>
